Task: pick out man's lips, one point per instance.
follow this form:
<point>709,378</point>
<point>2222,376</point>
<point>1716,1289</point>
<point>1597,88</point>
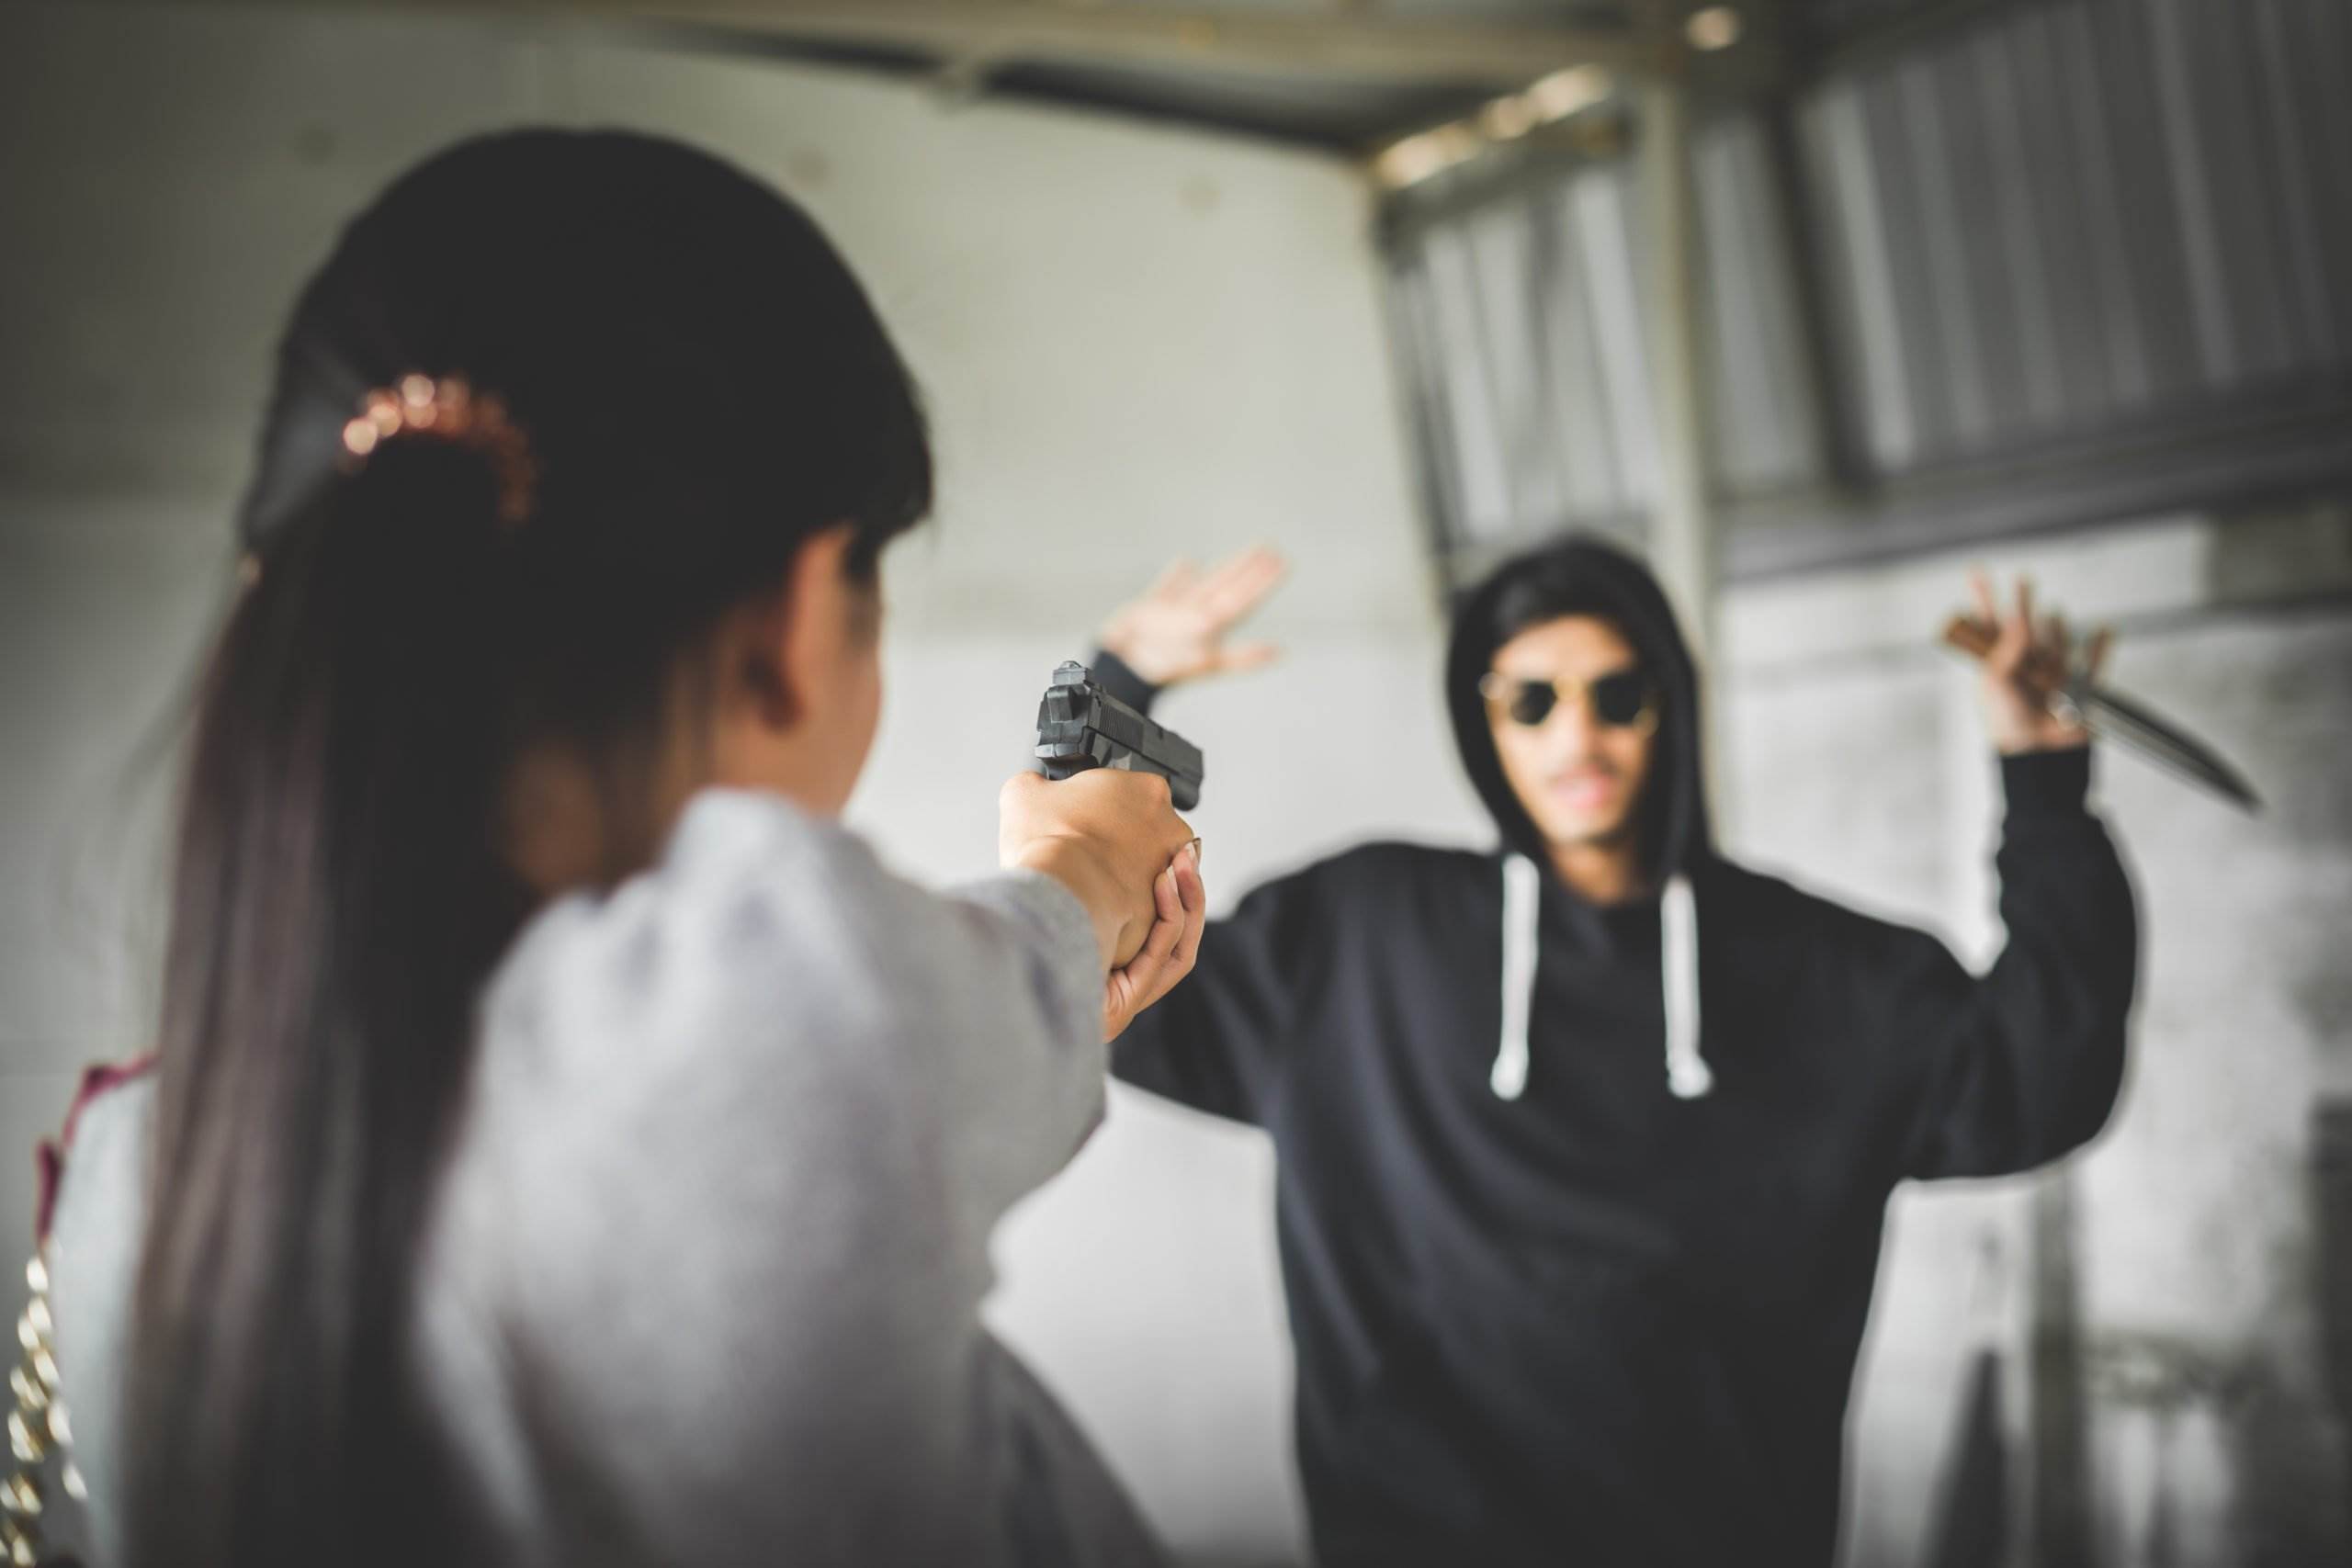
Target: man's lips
<point>1583,789</point>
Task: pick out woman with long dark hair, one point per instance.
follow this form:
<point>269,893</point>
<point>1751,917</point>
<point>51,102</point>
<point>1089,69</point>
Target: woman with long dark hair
<point>567,1144</point>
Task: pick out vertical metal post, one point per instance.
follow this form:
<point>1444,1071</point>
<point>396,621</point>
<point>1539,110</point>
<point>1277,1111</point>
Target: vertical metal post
<point>1682,542</point>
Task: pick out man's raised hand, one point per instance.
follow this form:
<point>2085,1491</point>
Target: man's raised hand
<point>1177,631</point>
<point>2029,663</point>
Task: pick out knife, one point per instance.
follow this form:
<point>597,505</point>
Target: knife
<point>2113,717</point>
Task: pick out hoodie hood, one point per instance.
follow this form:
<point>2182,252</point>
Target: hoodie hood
<point>1585,575</point>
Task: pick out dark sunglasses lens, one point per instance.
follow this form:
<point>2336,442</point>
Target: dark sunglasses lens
<point>1532,701</point>
<point>1620,699</point>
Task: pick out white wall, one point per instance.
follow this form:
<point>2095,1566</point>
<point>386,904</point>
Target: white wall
<point>1135,342</point>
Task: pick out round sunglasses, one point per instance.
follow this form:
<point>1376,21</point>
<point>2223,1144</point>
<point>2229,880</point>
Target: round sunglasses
<point>1623,699</point>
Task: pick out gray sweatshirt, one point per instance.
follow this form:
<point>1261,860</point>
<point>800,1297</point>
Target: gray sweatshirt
<point>704,1279</point>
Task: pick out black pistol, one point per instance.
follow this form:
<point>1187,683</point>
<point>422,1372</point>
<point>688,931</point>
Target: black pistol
<point>1080,726</point>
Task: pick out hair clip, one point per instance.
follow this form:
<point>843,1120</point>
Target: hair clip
<point>446,408</point>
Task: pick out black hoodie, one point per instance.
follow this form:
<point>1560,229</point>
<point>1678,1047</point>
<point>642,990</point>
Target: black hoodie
<point>1613,1319</point>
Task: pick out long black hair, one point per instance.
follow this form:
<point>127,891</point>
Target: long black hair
<point>703,385</point>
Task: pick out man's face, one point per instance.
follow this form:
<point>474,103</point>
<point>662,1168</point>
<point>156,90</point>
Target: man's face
<point>1580,770</point>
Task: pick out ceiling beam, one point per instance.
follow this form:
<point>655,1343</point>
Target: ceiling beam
<point>1349,46</point>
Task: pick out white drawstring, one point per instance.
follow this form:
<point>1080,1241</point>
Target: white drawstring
<point>1686,1073</point>
<point>1523,910</point>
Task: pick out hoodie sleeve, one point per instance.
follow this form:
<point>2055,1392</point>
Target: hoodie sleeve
<point>740,1140</point>
<point>1219,1042</point>
<point>2028,1057</point>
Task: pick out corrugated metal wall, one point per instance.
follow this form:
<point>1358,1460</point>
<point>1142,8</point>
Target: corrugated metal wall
<point>1526,358</point>
<point>2055,263</point>
<point>2079,215</point>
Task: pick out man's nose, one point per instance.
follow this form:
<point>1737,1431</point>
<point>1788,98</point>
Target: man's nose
<point>1568,730</point>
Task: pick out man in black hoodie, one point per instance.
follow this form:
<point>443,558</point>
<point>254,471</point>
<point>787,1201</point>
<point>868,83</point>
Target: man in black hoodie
<point>1584,1144</point>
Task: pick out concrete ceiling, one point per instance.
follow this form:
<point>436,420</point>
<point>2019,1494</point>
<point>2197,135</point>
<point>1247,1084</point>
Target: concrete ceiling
<point>1342,73</point>
<point>1346,74</point>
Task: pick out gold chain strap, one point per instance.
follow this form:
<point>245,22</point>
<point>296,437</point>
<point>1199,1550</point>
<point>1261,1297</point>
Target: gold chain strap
<point>37,1427</point>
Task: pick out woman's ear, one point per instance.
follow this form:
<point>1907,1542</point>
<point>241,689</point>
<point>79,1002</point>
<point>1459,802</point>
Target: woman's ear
<point>799,635</point>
